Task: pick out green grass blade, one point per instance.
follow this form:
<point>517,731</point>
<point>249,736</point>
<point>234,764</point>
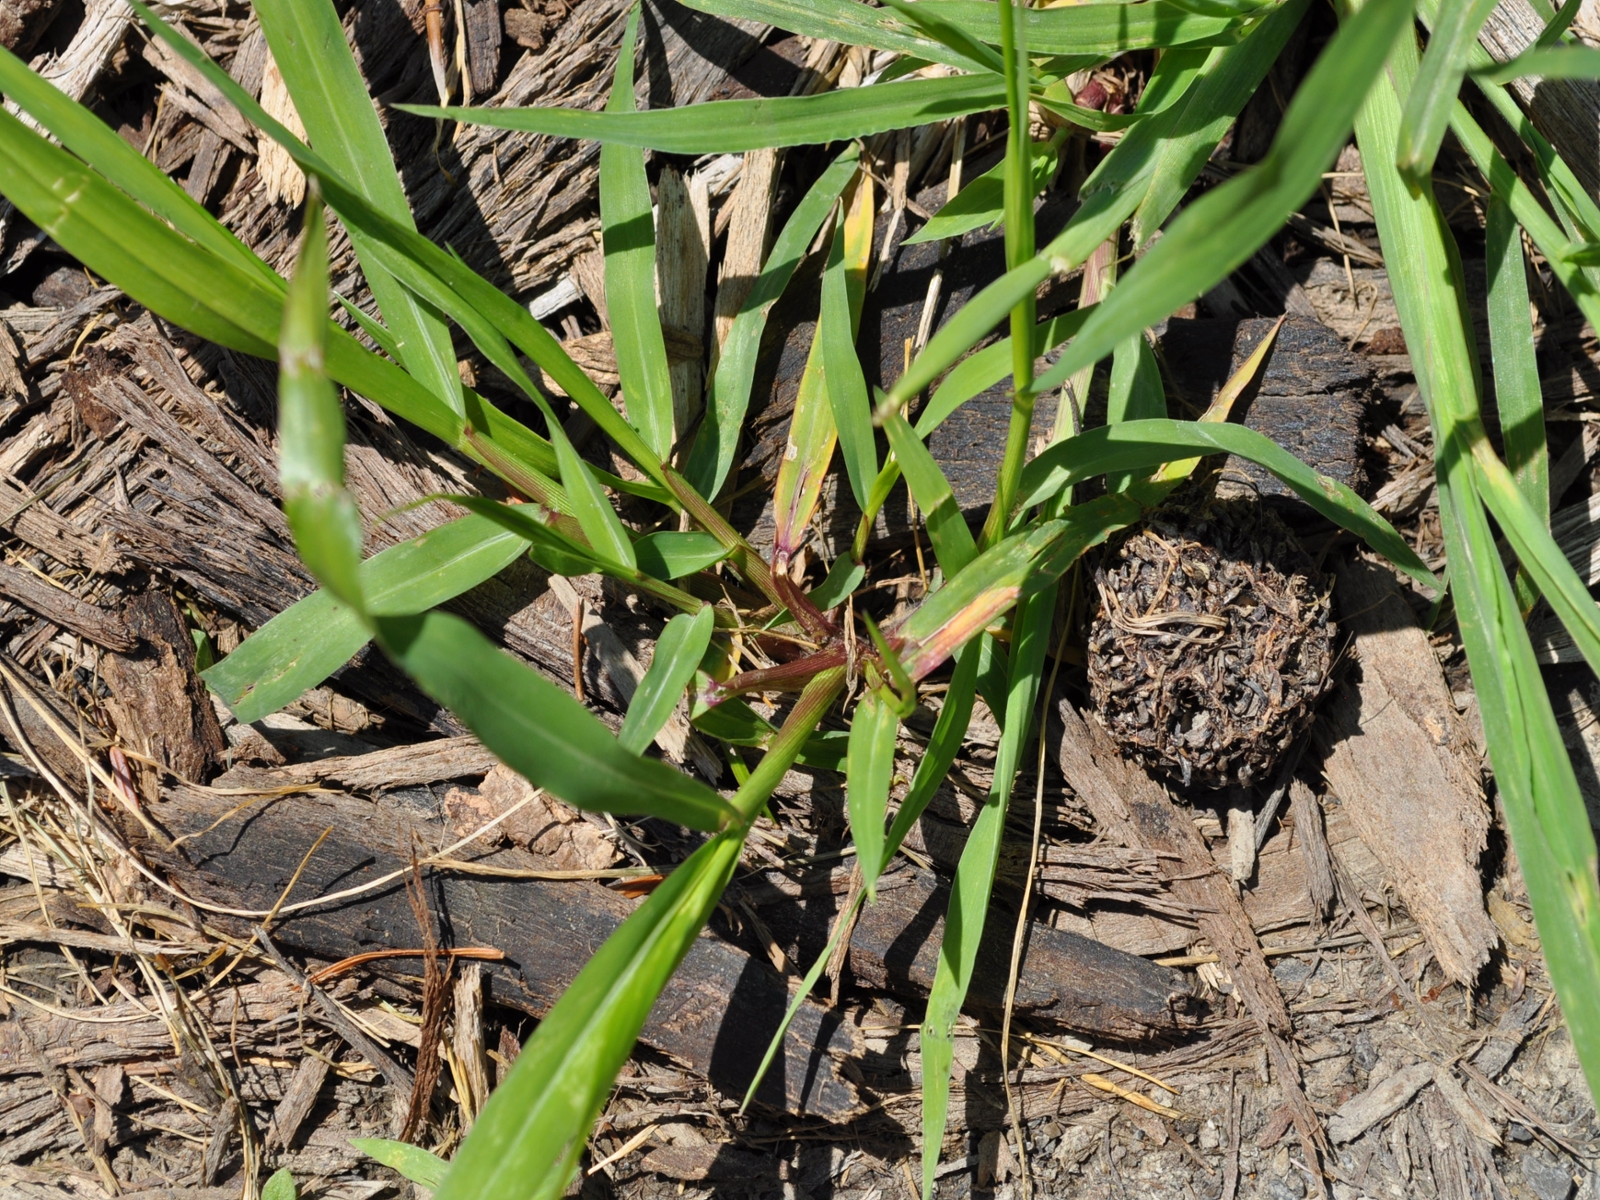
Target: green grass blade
<point>974,881</point>
<point>415,1163</point>
<point>1553,62</point>
<point>308,44</point>
<point>628,234</point>
<point>728,389</point>
<point>812,437</point>
<point>314,637</point>
<point>322,515</point>
<point>869,768</point>
<point>1433,95</point>
<point>928,21</point>
<point>979,204</point>
<point>844,282</point>
<point>591,506</point>
<point>1136,392</point>
<point>734,126</point>
<point>1101,30</point>
<point>846,21</point>
<point>1144,177</point>
<point>979,372</point>
<point>670,555</point>
<point>1516,368</point>
<point>537,729</point>
<point>559,548</point>
<point>444,281</point>
<point>1007,572</point>
<point>210,295</point>
<point>843,578</point>
<point>1227,225</point>
<point>1019,239</point>
<point>932,769</point>
<point>683,643</point>
<point>113,236</point>
<point>1141,445</point>
<point>526,1142</point>
<point>1544,809</point>
<point>1528,531</point>
<point>92,140</point>
<point>953,544</point>
<point>1530,214</point>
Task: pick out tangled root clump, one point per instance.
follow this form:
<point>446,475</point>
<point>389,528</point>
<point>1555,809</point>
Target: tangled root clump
<point>1212,641</point>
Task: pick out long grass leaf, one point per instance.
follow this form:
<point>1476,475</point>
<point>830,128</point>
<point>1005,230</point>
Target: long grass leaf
<point>1517,394</point>
<point>445,282</point>
<point>415,1163</point>
<point>932,769</point>
<point>1547,62</point>
<point>628,235</point>
<point>671,555</point>
<point>526,1142</point>
<point>92,140</point>
<point>1433,95</point>
<point>539,730</point>
<point>953,543</point>
<point>1227,225</point>
<point>1544,809</point>
<point>322,515</point>
<point>1530,214</point>
<point>974,882</point>
<point>591,506</point>
<point>1101,30</point>
<point>1140,445</point>
<point>868,771</point>
<point>806,455</point>
<point>734,126</point>
<point>980,203</point>
<point>678,652</point>
<point>728,389</point>
<point>314,637</point>
<point>844,283</point>
<point>1144,177</point>
<point>308,44</point>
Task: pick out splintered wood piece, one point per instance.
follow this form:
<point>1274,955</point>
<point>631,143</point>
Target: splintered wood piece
<point>683,250</point>
<point>747,216</point>
<point>715,1016</point>
<point>299,1098</point>
<point>1565,110</point>
<point>1065,980</point>
<point>1378,1102</point>
<point>158,705</point>
<point>1401,761</point>
<point>1135,809</point>
<point>1312,834</point>
<point>466,1040</point>
<point>397,766</point>
<point>62,608</point>
<point>283,180</point>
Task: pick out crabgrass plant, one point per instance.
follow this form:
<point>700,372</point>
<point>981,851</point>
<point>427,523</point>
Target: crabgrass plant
<point>989,620</point>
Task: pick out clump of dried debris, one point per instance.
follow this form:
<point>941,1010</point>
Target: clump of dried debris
<point>1212,641</point>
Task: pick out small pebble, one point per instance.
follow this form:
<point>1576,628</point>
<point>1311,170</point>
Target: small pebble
<point>1549,1179</point>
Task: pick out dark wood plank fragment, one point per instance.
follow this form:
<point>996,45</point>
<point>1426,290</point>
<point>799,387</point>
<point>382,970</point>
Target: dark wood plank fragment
<point>1310,399</point>
<point>1065,980</point>
<point>62,608</point>
<point>716,1015</point>
<point>158,704</point>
